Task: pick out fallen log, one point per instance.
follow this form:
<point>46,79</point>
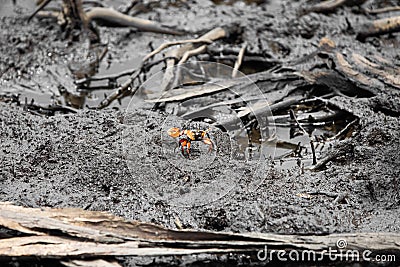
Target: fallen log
<point>58,247</point>
<point>75,234</point>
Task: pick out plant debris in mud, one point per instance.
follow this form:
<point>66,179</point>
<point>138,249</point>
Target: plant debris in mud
<point>304,116</point>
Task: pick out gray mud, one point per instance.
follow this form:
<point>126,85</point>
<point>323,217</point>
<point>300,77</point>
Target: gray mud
<point>79,160</point>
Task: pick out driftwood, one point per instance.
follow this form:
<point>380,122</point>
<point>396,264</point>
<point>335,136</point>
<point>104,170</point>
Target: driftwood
<point>358,69</point>
<point>355,70</point>
<point>379,27</point>
<point>75,234</point>
<point>359,78</point>
<point>386,75</point>
<point>330,6</point>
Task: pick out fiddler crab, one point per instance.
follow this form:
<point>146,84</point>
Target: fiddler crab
<point>185,137</point>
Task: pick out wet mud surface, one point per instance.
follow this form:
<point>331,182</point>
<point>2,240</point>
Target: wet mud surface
<point>84,159</point>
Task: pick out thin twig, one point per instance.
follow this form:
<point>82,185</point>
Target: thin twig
<point>191,53</point>
<point>382,10</point>
<point>166,45</point>
<point>125,87</point>
<point>293,116</point>
<point>341,197</point>
<point>239,60</point>
<point>112,77</point>
<point>343,131</point>
<point>178,223</point>
<point>313,153</point>
<point>180,52</point>
<point>325,193</point>
<point>334,154</point>
<point>42,5</point>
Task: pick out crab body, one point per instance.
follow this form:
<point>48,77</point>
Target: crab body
<point>186,136</point>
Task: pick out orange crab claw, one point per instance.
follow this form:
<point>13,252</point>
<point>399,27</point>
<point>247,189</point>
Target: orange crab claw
<point>174,132</point>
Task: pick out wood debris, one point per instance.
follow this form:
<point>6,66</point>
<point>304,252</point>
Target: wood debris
<point>73,235</point>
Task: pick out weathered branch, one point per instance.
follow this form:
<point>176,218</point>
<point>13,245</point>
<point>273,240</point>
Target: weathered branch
<point>79,233</point>
<point>379,27</point>
<point>330,6</point>
<point>180,94</point>
<point>239,60</point>
<point>382,10</point>
<point>382,73</point>
<point>180,42</point>
<point>182,53</point>
<point>113,17</point>
<point>42,5</point>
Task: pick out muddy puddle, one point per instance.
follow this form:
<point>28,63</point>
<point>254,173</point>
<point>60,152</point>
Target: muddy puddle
<point>316,124</point>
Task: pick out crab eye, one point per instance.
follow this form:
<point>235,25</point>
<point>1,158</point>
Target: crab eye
<point>173,132</point>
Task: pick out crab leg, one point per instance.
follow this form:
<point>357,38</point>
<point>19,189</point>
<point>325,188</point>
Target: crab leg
<point>188,148</point>
<point>208,141</point>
